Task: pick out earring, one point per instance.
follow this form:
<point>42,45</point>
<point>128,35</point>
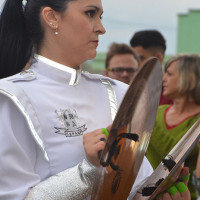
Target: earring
<point>56,31</point>
<point>56,28</point>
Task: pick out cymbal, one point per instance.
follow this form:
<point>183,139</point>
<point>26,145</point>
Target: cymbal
<point>129,135</point>
<point>169,169</point>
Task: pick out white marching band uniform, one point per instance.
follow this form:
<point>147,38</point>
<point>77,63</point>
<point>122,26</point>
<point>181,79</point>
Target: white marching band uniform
<point>44,112</point>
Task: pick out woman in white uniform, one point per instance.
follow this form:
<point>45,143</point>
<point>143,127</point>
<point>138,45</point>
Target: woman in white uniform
<point>52,114</point>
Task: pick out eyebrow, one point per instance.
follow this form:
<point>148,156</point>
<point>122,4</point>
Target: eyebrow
<point>95,7</point>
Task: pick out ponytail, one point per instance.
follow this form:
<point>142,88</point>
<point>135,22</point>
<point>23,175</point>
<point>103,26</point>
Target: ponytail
<point>21,31</point>
<point>15,43</point>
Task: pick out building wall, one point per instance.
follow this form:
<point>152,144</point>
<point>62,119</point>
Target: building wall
<point>98,64</point>
<point>188,36</point>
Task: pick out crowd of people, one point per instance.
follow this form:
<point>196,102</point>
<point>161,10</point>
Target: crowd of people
<point>53,114</point>
<point>179,102</point>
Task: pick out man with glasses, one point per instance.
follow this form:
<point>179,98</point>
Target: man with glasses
<point>121,62</point>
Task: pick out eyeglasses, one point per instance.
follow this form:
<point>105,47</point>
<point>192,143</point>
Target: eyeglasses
<point>120,70</point>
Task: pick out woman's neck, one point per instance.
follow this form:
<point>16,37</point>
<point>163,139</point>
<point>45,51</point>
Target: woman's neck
<point>184,105</point>
<point>53,52</point>
<point>180,111</point>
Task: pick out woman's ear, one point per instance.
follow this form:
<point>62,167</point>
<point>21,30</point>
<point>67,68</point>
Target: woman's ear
<point>50,17</point>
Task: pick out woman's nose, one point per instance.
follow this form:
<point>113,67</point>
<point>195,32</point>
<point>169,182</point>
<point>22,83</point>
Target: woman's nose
<point>100,28</point>
<point>164,77</point>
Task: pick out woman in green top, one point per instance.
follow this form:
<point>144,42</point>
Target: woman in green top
<point>181,83</point>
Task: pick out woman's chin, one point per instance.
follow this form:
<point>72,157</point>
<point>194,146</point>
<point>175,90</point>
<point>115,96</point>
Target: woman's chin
<point>168,96</point>
<point>92,55</point>
<point>165,94</point>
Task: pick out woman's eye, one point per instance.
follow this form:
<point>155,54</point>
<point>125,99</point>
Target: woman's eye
<point>91,13</point>
<point>169,74</point>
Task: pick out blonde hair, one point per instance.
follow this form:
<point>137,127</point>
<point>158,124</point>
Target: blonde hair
<point>188,66</point>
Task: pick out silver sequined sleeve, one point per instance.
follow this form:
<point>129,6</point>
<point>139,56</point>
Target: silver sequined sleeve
<point>72,184</point>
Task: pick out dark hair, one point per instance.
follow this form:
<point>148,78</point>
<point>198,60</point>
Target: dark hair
<point>117,48</point>
<point>148,39</point>
<point>21,31</point>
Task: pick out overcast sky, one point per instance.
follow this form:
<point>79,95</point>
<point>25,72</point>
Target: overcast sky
<point>122,18</point>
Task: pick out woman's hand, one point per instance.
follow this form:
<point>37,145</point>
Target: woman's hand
<point>94,142</point>
<point>179,190</point>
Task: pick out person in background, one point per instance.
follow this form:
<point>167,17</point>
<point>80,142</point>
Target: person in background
<point>121,62</point>
<point>181,83</point>
<point>122,55</point>
<point>150,43</point>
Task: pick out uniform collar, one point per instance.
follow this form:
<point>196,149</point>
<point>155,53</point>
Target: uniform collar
<point>73,74</point>
<point>64,73</point>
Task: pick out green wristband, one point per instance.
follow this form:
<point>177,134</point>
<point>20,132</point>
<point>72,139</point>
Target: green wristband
<point>172,190</point>
<point>186,178</point>
<point>105,131</point>
<point>181,187</point>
